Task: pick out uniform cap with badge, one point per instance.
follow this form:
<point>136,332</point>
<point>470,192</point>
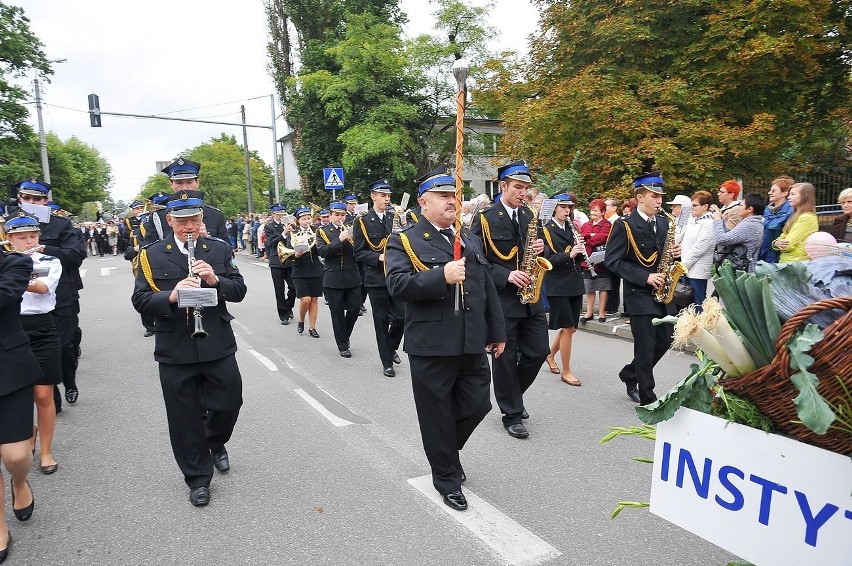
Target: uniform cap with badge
<point>651,182</point>
<point>339,206</point>
<point>278,208</point>
<point>350,199</point>
<point>184,206</point>
<point>302,211</point>
<point>517,170</point>
<point>438,179</point>
<point>34,187</point>
<point>182,169</point>
<point>22,222</point>
<point>380,186</point>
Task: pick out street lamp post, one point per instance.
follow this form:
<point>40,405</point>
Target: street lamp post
<point>42,141</point>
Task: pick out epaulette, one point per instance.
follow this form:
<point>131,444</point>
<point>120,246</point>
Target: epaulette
<point>406,227</point>
<point>213,207</point>
<point>148,245</point>
<point>46,258</point>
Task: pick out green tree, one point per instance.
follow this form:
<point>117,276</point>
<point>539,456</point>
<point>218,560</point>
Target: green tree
<point>223,176</point>
<point>78,173</point>
<point>701,89</point>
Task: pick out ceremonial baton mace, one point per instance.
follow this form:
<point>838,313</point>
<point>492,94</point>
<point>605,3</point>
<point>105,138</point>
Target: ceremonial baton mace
<point>461,69</point>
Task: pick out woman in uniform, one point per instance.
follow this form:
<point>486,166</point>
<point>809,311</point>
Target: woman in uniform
<point>307,275</point>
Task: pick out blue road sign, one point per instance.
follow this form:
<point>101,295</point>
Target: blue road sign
<point>333,178</point>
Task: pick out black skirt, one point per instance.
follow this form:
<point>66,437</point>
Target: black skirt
<point>308,286</point>
<point>16,415</point>
<point>565,312</point>
<point>44,342</point>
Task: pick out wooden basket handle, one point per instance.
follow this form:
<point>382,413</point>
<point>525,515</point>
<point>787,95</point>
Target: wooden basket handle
<point>793,323</point>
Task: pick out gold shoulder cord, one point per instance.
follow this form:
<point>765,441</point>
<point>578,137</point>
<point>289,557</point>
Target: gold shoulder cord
<point>146,269</point>
<point>324,237</point>
<point>645,261</point>
<point>415,261</point>
<point>375,248</point>
<point>486,231</point>
<point>548,239</point>
<point>414,217</point>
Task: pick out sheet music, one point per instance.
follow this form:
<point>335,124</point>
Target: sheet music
<point>404,202</point>
<point>189,297</point>
<point>548,205</point>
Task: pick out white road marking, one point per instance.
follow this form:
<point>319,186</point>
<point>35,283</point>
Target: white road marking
<point>270,365</point>
<point>516,545</point>
<point>243,328</point>
<point>617,326</point>
<point>331,417</point>
<point>82,273</point>
<point>106,271</point>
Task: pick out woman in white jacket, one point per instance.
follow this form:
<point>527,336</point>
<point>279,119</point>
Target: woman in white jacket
<point>698,244</point>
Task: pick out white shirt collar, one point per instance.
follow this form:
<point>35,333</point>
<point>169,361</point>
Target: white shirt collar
<point>508,208</point>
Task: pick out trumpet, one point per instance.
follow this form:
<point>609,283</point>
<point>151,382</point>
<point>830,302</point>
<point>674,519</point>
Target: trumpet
<point>199,331</point>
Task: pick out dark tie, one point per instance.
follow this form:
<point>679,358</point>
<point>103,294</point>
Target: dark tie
<point>515,222</point>
<point>653,222</point>
<point>449,234</point>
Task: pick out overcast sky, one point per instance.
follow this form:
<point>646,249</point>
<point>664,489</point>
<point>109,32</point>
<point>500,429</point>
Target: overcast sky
<point>206,57</point>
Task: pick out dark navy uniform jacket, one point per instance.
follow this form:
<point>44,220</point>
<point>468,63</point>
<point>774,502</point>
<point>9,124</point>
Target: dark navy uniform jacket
<point>62,240</point>
<point>504,251</point>
<point>370,233</point>
<point>415,259</point>
<point>340,270</point>
<point>161,266</point>
<point>633,251</point>
<point>566,277</point>
<point>18,366</point>
<point>274,232</point>
<point>306,265</point>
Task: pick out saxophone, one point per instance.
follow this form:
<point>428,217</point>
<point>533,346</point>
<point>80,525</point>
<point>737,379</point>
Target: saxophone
<point>673,270</point>
<point>533,265</point>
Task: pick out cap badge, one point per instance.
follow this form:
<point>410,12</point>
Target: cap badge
<point>180,161</point>
<point>184,196</point>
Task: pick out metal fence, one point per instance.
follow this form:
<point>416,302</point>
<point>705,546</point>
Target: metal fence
<point>827,186</point>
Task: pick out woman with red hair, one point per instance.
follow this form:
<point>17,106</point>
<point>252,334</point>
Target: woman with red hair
<point>729,193</point>
<point>595,233</point>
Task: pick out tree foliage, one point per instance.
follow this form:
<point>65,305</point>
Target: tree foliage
<point>699,89</point>
<point>223,176</point>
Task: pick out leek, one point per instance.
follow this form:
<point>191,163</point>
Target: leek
<point>714,320</point>
<point>689,328</point>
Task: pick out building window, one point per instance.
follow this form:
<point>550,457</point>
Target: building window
<point>492,188</point>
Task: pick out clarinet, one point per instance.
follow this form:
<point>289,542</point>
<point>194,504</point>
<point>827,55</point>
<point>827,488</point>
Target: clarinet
<point>592,273</point>
<point>196,311</point>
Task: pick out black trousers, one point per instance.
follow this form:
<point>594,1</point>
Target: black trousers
<point>613,298</point>
<point>650,343</point>
<point>389,323</point>
<point>202,405</point>
<point>282,276</point>
<point>67,324</point>
<point>452,396</point>
<point>344,305</point>
<point>527,346</point>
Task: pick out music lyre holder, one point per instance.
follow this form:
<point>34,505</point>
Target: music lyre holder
<point>190,297</point>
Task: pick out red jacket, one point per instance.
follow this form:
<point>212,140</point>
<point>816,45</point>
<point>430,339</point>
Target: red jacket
<point>595,235</point>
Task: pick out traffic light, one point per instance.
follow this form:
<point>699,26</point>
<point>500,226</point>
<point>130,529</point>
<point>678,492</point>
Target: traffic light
<point>94,111</point>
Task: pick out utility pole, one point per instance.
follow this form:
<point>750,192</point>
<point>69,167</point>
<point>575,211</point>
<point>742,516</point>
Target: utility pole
<point>42,141</point>
<point>246,156</point>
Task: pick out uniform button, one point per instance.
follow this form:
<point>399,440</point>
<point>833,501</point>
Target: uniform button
<point>467,308</point>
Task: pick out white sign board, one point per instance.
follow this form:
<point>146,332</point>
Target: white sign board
<point>764,497</point>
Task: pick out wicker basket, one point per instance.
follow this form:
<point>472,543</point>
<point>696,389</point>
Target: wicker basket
<point>772,391</point>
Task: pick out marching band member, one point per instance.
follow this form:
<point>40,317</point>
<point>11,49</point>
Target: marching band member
<point>135,225</point>
<point>446,348</point>
<point>351,201</point>
<point>633,252</point>
<point>61,240</point>
<point>200,379</point>
<point>565,287</point>
<point>282,274</point>
<point>370,234</point>
<point>503,228</point>
<point>38,303</point>
<point>18,370</point>
<point>183,179</point>
<point>307,275</point>
<point>341,279</point>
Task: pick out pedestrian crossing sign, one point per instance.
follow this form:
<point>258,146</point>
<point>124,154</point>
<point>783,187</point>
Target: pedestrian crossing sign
<point>333,178</point>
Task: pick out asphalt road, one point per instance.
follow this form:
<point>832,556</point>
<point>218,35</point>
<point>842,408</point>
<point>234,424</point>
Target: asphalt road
<point>326,457</point>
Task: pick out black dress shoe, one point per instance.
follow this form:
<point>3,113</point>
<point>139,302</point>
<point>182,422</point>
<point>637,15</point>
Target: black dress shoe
<point>313,332</point>
<point>220,460</point>
<point>149,333</point>
<point>5,552</point>
<point>345,354</point>
<point>517,430</point>
<point>27,512</point>
<point>464,477</point>
<point>455,500</point>
<point>396,359</point>
<point>300,327</point>
<point>71,395</point>
<point>389,372</point>
<point>525,414</point>
<point>199,496</point>
<point>585,319</point>
<point>362,310</point>
<point>633,393</point>
<point>285,321</point>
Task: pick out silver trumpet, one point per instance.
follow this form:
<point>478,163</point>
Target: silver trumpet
<point>199,331</point>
